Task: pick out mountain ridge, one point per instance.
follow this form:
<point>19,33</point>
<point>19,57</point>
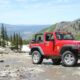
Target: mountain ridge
<point>24,30</point>
<point>68,26</point>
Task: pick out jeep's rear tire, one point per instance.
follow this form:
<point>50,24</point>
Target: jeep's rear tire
<point>69,59</point>
<point>36,57</point>
<point>56,61</point>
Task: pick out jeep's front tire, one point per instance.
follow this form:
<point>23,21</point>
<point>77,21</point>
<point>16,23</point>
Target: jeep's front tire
<point>69,59</point>
<point>36,57</point>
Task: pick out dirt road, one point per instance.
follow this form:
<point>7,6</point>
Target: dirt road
<point>19,67</point>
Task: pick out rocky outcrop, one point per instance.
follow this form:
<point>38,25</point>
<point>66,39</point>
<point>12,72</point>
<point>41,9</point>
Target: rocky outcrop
<point>71,26</point>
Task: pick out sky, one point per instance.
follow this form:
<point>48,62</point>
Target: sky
<point>40,12</point>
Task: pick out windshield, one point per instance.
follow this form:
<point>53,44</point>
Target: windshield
<point>64,36</point>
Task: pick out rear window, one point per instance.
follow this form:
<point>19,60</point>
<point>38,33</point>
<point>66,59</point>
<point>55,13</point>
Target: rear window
<point>67,36</point>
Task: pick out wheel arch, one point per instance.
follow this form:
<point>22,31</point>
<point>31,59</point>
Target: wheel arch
<point>69,48</point>
<point>38,49</point>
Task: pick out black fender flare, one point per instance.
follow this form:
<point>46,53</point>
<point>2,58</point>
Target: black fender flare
<point>70,47</point>
<point>36,48</point>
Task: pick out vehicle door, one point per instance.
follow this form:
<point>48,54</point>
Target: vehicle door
<point>49,43</point>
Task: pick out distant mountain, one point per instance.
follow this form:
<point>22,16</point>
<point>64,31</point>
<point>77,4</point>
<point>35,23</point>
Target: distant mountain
<point>24,30</point>
<point>71,26</point>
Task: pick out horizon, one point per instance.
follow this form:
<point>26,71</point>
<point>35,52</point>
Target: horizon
<point>38,24</point>
<point>24,24</point>
<point>38,12</point>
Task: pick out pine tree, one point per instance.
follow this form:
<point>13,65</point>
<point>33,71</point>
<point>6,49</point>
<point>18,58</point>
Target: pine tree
<point>11,39</point>
<point>20,42</point>
<point>6,35</point>
<point>3,36</point>
<point>0,38</point>
<point>16,41</point>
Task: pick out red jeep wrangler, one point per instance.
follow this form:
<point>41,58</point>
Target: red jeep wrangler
<point>59,46</point>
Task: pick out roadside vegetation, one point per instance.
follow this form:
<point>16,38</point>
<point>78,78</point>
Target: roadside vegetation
<point>13,41</point>
<point>26,42</point>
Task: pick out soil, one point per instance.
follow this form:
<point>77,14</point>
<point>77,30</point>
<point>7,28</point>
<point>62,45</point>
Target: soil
<point>18,66</point>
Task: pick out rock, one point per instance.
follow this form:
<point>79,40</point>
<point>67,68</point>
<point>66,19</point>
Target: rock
<point>5,50</point>
<point>76,73</point>
<point>47,79</point>
<point>1,60</point>
<point>7,66</point>
<point>35,70</point>
<point>3,73</point>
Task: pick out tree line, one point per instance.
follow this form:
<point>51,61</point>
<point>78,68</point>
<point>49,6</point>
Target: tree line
<point>13,41</point>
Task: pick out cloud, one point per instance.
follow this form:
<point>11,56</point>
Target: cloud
<point>62,0</point>
<point>35,1</point>
<point>4,2</point>
<point>50,1</point>
<point>21,0</point>
<point>44,3</point>
<point>35,11</point>
<point>28,3</point>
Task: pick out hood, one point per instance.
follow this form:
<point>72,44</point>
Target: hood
<point>72,42</point>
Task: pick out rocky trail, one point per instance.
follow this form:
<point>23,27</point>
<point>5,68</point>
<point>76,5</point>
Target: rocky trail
<point>18,66</point>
